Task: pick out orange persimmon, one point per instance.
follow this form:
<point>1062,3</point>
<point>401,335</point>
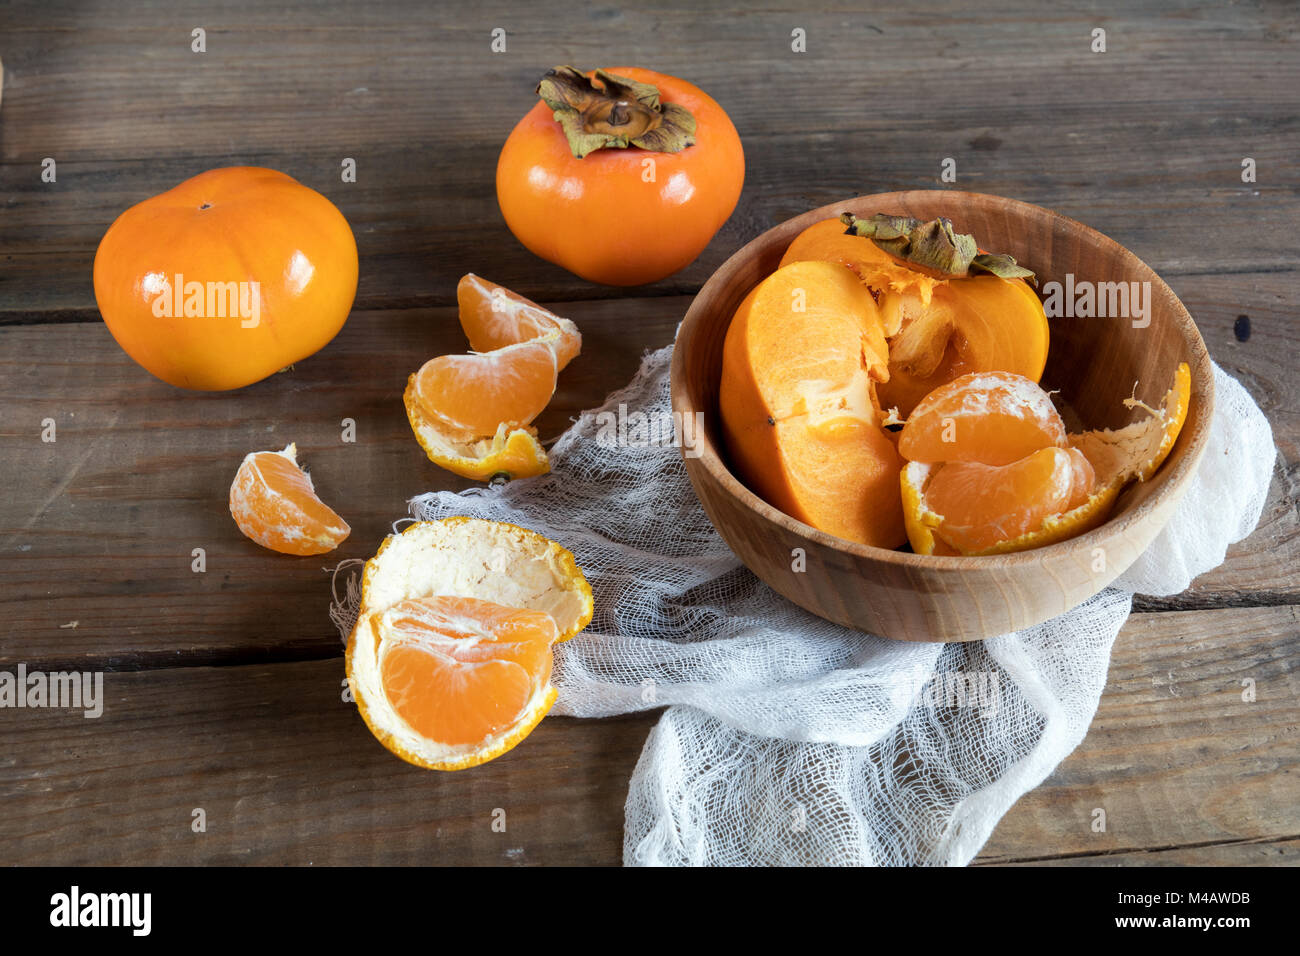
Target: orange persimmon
<point>620,176</point>
<point>226,278</point>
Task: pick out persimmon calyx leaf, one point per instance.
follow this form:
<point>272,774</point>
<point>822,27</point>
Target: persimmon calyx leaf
<point>933,245</point>
<point>607,111</point>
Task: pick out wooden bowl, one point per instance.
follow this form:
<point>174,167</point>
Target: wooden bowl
<point>1094,362</point>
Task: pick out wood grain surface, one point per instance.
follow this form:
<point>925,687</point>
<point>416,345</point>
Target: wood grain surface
<point>224,688</point>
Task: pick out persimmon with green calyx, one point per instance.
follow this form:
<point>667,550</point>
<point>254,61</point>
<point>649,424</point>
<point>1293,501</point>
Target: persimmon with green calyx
<point>947,308</point>
<point>227,278</point>
<point>621,176</point>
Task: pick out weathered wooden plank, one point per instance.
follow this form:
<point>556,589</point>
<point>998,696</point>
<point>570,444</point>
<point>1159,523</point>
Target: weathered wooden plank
<point>287,773</point>
<point>1175,756</point>
<point>1263,852</point>
<point>1143,142</point>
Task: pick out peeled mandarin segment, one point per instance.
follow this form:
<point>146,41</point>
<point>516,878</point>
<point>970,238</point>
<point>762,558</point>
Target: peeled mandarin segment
<point>801,424</point>
<point>274,504</point>
<point>994,418</point>
<point>494,317</point>
<point>461,670</point>
<point>471,396</point>
<point>983,505</point>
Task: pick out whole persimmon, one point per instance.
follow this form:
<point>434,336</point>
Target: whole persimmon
<point>226,278</point>
<point>620,176</point>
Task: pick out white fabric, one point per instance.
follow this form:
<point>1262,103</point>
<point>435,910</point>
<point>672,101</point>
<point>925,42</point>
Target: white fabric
<point>789,740</point>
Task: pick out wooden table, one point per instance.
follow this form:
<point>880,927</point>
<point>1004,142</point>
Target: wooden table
<point>224,688</point>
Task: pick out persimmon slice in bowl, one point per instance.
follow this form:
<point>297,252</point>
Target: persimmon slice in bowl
<point>941,324</point>
<point>801,423</point>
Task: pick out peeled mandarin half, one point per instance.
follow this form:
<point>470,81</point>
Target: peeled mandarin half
<point>961,505</point>
<point>984,505</point>
<point>274,503</point>
<point>800,362</point>
<point>462,670</point>
<point>493,317</point>
<point>450,658</point>
<point>471,395</point>
<point>994,418</point>
<point>472,414</point>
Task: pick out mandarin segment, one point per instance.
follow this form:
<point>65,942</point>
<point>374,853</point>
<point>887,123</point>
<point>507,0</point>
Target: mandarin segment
<point>994,418</point>
<point>274,503</point>
<point>494,317</point>
<point>461,670</point>
<point>983,505</point>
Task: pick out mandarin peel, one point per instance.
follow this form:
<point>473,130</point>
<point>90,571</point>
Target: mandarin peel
<point>455,558</point>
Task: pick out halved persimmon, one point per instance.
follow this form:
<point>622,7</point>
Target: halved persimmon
<point>943,319</point>
<point>801,423</point>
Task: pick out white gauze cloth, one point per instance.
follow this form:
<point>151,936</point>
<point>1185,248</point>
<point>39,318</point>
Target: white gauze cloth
<point>790,740</point>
